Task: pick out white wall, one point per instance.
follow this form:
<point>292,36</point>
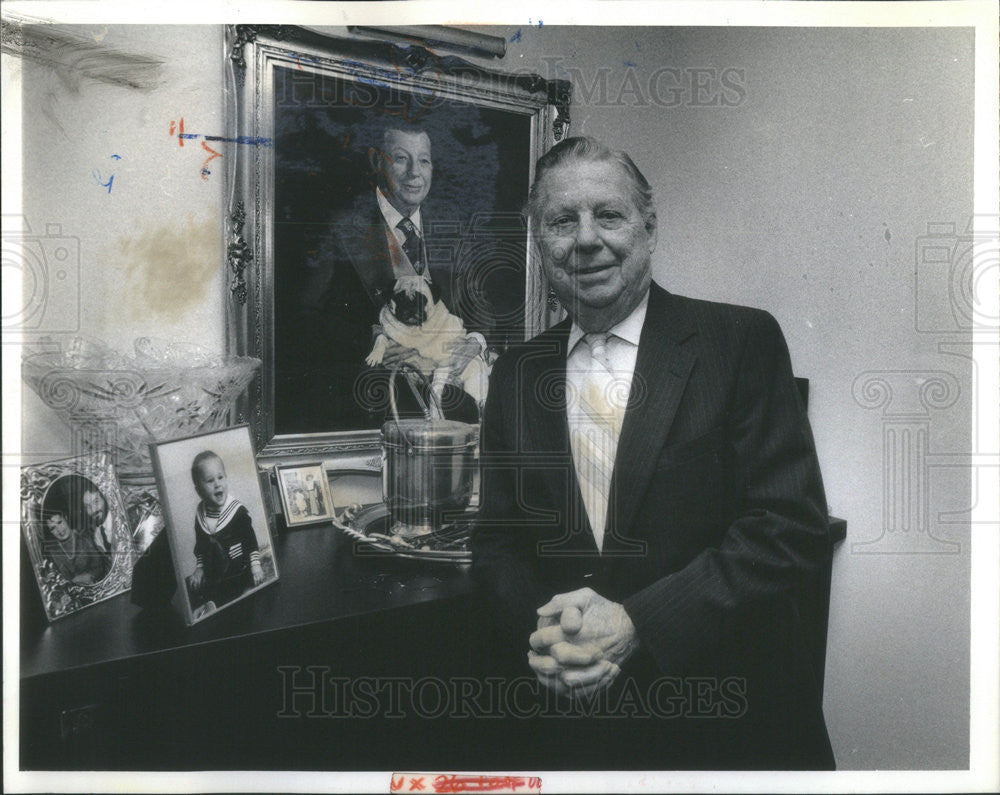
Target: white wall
<point>151,249</point>
<point>806,198</point>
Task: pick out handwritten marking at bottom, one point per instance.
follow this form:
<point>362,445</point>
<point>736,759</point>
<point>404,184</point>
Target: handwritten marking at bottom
<point>463,782</point>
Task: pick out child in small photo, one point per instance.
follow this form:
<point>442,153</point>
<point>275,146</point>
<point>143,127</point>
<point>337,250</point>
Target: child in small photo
<point>225,543</point>
<point>300,505</point>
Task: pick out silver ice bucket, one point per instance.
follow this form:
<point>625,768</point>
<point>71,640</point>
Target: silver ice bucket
<point>428,467</point>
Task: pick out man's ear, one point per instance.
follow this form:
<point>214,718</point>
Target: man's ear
<point>374,159</point>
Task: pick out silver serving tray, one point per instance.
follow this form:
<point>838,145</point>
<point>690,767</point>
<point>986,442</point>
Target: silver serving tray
<point>375,519</point>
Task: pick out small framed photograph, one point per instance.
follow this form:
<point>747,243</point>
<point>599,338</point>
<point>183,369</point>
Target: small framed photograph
<point>215,520</point>
<point>305,493</point>
<point>77,532</point>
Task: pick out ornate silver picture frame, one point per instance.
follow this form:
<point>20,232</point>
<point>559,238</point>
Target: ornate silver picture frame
<point>77,532</point>
<point>305,111</point>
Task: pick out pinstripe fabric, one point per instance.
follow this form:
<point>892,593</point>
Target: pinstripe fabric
<point>717,540</point>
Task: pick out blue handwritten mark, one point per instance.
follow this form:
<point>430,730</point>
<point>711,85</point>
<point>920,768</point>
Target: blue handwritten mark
<point>372,81</point>
<point>248,140</point>
<point>516,36</point>
<point>360,69</point>
<point>540,22</point>
<point>97,178</point>
<point>638,47</point>
<point>301,56</point>
<point>116,157</point>
<point>629,63</point>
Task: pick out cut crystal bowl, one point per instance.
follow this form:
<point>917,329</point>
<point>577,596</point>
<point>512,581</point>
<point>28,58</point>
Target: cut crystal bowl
<point>122,402</point>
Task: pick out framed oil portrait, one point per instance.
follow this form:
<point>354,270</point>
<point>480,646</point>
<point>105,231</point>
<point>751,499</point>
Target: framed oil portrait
<point>305,493</point>
<point>215,519</point>
<point>319,195</point>
<point>77,532</point>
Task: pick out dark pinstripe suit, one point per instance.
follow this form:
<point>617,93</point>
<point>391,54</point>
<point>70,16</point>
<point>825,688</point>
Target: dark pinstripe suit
<point>716,541</point>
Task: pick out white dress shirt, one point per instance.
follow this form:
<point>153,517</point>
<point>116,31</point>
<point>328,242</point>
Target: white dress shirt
<point>596,397</point>
<point>395,237</point>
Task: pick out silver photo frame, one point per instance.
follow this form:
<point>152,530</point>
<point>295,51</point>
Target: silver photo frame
<point>77,532</point>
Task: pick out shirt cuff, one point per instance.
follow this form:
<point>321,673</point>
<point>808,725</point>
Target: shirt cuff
<point>475,335</point>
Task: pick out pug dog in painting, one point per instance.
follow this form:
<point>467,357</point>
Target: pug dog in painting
<point>415,318</point>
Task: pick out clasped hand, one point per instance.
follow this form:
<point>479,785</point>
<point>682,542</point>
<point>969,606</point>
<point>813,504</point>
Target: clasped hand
<point>581,642</point>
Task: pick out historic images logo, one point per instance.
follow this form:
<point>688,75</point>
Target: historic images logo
<point>49,269</point>
<point>954,271</point>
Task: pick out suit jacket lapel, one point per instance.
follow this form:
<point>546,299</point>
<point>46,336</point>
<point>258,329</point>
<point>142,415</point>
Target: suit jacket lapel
<point>364,239</point>
<point>543,383</point>
<point>662,368</point>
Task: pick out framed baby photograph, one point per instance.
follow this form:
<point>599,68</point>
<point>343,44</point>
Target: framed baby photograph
<point>305,493</point>
<point>77,532</point>
<point>215,520</point>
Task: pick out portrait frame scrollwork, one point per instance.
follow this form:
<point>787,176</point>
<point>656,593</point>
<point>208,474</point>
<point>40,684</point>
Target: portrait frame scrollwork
<point>254,55</point>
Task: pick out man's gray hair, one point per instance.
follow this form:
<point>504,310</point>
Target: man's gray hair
<point>585,148</point>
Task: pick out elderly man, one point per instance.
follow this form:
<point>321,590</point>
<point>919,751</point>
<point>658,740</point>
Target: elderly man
<point>378,238</point>
<point>652,515</point>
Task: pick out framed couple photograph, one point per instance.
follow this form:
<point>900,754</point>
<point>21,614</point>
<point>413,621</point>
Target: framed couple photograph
<point>305,494</point>
<point>77,532</point>
<point>314,243</point>
<point>215,520</point>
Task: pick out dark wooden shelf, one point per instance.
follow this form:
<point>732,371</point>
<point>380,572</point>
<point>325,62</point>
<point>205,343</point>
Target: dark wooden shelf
<point>321,580</point>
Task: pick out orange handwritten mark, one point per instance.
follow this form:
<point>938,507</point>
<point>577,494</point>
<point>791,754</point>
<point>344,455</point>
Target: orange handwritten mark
<point>204,166</point>
<point>180,131</point>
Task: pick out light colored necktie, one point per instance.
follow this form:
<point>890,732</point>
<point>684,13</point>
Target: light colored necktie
<point>598,344</point>
<point>594,441</point>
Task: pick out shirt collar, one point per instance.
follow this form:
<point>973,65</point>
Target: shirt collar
<point>628,329</point>
<point>392,215</point>
<point>226,513</point>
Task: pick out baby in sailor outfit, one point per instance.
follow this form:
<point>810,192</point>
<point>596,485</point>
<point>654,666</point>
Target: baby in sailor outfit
<point>225,543</point>
<point>415,319</point>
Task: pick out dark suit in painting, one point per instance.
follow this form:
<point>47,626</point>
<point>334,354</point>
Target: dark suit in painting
<point>348,278</point>
<point>330,316</point>
<point>716,540</point>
